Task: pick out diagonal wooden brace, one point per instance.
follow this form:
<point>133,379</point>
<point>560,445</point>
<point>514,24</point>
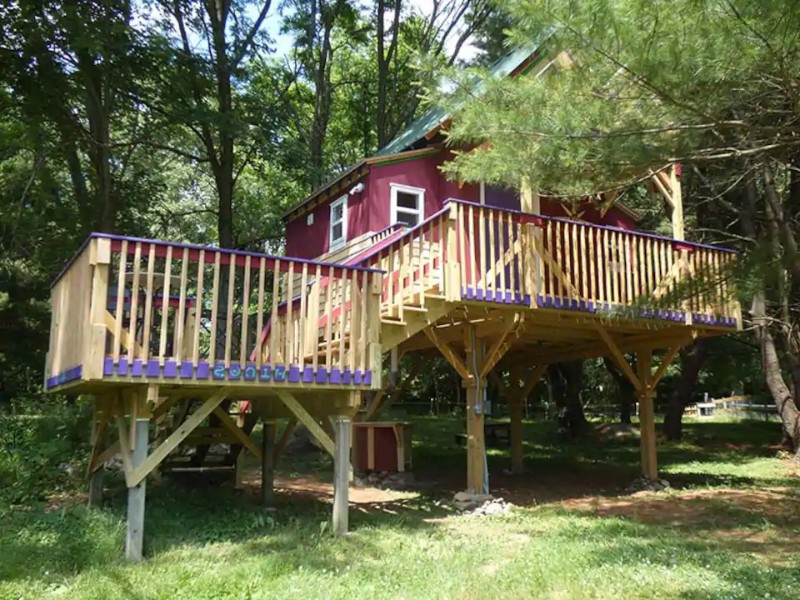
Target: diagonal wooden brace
<point>176,437</point>
<point>306,419</point>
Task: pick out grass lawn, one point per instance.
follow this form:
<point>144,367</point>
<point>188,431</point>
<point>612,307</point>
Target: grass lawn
<point>731,529</point>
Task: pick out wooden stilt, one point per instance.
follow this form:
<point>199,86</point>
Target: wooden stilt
<point>341,474</point>
<point>268,464</point>
<point>647,415</point>
<point>477,480</point>
<point>134,539</point>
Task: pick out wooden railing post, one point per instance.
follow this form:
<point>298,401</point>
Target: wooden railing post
<point>450,269</point>
<point>372,317</point>
<point>95,340</point>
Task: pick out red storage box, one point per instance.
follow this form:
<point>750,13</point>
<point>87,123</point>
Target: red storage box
<point>382,446</point>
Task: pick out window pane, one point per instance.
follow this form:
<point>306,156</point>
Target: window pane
<point>336,231</point>
<point>407,200</point>
<point>410,219</point>
<point>337,212</point>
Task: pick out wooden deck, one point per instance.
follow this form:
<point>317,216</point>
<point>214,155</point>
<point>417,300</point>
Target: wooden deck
<point>188,345</point>
<point>129,310</point>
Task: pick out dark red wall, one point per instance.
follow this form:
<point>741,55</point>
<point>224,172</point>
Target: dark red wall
<point>370,210</point>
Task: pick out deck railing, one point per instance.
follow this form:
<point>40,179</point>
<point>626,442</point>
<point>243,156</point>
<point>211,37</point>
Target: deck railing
<point>514,257</point>
<point>130,307</point>
<point>473,252</point>
<point>413,265</point>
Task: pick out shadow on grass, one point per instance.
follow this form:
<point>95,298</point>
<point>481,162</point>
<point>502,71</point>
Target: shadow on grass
<point>41,546</point>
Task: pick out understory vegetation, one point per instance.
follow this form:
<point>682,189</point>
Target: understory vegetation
<point>728,529</point>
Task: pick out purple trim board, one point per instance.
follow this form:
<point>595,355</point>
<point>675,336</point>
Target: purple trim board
<point>235,372</point>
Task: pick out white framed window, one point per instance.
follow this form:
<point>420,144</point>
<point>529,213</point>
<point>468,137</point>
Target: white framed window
<point>338,234</point>
<point>408,204</point>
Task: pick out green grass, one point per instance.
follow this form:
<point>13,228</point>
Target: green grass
<point>722,535</point>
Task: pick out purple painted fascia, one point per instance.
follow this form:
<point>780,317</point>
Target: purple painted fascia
<point>643,234</point>
<point>258,255</point>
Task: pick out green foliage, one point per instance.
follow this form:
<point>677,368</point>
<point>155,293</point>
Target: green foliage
<point>43,448</point>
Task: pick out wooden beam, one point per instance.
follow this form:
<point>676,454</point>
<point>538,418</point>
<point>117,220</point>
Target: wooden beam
<point>341,474</point>
<point>177,436</point>
<point>647,424</point>
<point>244,439</point>
<point>665,362</point>
<point>476,443</point>
<point>619,358</point>
<point>449,354</point>
<point>500,347</point>
<point>306,419</point>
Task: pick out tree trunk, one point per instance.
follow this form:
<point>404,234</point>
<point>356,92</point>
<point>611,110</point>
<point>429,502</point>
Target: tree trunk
<point>692,361</point>
<point>567,382</point>
<point>626,391</point>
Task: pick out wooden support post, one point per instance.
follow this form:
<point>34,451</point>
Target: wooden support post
<point>647,415</point>
<point>477,479</point>
<point>341,474</point>
<point>134,539</point>
<point>268,464</point>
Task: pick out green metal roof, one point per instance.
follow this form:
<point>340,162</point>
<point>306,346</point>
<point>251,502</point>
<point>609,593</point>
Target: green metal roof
<point>436,116</point>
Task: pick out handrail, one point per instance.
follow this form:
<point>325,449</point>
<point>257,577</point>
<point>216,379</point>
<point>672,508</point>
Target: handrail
<point>198,247</point>
<point>534,218</point>
<point>409,233</point>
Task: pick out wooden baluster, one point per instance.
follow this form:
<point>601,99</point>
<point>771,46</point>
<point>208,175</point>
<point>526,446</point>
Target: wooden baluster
<point>289,356</point>
<point>511,228</point>
<point>229,312</point>
<point>401,283</point>
<point>329,322</point>
<point>461,232</point>
<point>355,316</point>
<point>260,312</point>
<point>591,233</point>
<point>421,266</point>
<point>342,315</point>
<point>274,339</point>
<point>165,293</point>
<point>148,301</point>
<point>180,315</point>
<point>304,320</point>
<point>585,261</point>
<point>243,337</point>
<point>616,269</point>
<point>481,242</point>
<point>314,317</point>
<point>473,247</point>
<point>635,244</point>
<point>502,242</point>
<point>212,350</point>
<point>625,255</point>
<point>134,316</point>
<point>119,311</point>
<point>559,232</point>
<point>603,281</point>
<point>492,272</point>
<point>574,276</point>
<point>198,313</point>
<point>364,328</point>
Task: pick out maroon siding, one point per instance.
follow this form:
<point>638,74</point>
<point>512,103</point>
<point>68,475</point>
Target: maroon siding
<point>312,241</point>
<point>370,210</point>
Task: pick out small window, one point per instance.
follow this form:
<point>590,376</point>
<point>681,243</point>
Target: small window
<point>408,205</point>
<point>338,223</point>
